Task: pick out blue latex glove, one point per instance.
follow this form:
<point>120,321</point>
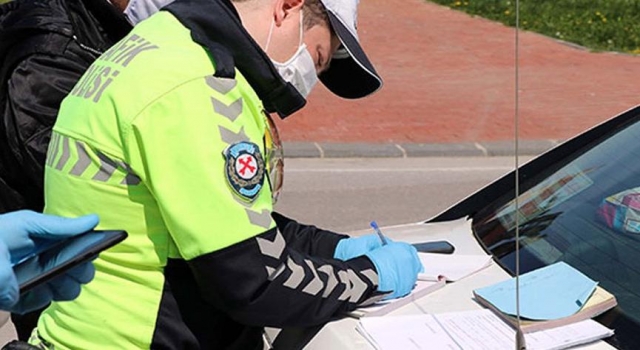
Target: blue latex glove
<point>20,233</point>
<point>61,288</point>
<point>8,284</point>
<point>349,248</point>
<point>398,266</point>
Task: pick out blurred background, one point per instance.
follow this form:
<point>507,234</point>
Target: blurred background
<point>449,71</point>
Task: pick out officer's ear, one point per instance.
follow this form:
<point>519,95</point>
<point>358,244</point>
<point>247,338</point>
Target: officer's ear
<point>285,8</point>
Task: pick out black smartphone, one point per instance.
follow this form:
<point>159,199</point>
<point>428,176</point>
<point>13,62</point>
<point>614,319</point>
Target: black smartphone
<point>53,257</point>
<point>442,247</point>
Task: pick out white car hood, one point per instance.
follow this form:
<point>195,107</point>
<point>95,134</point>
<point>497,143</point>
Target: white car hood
<point>455,296</point>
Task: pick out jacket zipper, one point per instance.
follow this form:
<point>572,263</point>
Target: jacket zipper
<point>87,48</point>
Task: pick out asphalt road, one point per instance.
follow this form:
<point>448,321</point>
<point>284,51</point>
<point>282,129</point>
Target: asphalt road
<point>344,195</point>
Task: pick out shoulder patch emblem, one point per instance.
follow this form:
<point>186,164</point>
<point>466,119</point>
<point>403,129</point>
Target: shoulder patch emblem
<point>245,169</point>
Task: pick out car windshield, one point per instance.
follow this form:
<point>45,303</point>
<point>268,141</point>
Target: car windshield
<point>585,211</point>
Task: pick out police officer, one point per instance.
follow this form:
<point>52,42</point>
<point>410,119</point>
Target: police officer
<point>167,136</point>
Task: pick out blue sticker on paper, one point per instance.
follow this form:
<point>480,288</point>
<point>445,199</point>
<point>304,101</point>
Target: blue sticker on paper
<point>245,169</point>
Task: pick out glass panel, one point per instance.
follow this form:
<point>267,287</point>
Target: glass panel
<point>585,212</point>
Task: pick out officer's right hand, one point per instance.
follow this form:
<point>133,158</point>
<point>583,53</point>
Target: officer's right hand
<point>398,266</point>
<point>352,247</point>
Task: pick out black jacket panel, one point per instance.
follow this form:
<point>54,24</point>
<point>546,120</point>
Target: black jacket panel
<point>308,239</point>
<point>45,46</point>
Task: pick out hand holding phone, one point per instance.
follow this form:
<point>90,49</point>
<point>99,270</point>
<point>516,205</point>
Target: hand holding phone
<point>65,286</point>
<point>57,271</point>
<point>27,232</point>
<point>22,231</point>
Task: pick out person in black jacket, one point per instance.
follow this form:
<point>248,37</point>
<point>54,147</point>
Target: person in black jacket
<point>40,71</point>
<point>45,47</point>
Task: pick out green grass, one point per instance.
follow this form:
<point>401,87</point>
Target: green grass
<point>601,25</point>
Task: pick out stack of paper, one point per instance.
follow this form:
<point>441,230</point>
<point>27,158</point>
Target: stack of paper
<point>380,308</point>
<point>551,296</point>
<point>451,267</point>
<point>438,269</point>
<point>470,330</point>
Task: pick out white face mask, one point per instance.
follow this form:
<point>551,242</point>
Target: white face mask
<point>299,70</point>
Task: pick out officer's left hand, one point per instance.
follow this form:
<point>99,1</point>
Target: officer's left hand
<point>352,247</point>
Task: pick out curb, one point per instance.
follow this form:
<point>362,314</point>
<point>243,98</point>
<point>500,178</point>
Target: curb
<point>414,150</point>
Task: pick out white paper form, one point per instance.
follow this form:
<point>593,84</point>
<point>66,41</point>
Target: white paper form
<point>470,330</point>
<point>483,330</point>
<point>451,267</point>
<point>422,288</point>
<point>414,332</point>
<point>477,330</point>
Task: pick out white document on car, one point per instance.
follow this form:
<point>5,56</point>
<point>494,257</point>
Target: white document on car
<point>451,267</point>
<point>469,330</point>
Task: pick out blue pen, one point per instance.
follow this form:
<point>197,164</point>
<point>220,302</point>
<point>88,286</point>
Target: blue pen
<point>383,239</point>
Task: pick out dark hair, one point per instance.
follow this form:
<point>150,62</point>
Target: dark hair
<point>315,14</point>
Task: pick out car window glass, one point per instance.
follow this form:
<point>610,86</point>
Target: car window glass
<point>585,212</point>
